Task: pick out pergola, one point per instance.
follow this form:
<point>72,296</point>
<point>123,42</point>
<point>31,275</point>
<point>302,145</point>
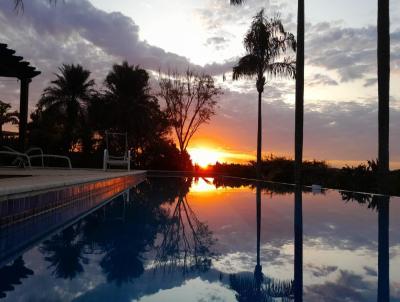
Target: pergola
<point>13,66</point>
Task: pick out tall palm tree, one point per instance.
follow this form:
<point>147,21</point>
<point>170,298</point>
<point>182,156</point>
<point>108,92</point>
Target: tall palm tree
<point>6,117</point>
<point>299,106</point>
<point>383,89</point>
<point>265,44</point>
<point>69,94</point>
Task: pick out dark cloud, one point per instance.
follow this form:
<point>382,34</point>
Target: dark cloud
<point>217,42</point>
<point>349,51</point>
<point>332,130</point>
<point>370,271</point>
<point>321,80</point>
<point>347,287</point>
<point>77,32</point>
<point>370,82</point>
<point>320,271</point>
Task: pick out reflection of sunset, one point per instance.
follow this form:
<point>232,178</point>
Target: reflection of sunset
<point>203,185</point>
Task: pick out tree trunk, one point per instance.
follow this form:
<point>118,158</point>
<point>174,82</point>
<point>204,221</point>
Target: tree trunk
<point>383,90</point>
<point>259,136</point>
<point>298,244</point>
<point>299,111</point>
<point>258,269</point>
<point>1,133</point>
<point>383,250</point>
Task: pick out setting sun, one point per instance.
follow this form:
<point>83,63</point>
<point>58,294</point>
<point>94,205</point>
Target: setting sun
<point>203,156</point>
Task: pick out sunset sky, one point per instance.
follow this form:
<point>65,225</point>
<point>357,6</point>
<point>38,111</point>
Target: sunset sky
<point>340,87</point>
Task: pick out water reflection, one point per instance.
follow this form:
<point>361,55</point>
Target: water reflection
<point>241,242</point>
<point>12,275</point>
<point>259,287</point>
<point>298,244</point>
<point>186,241</point>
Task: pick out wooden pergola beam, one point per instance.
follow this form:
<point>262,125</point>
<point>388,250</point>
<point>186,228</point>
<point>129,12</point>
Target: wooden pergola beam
<point>14,67</point>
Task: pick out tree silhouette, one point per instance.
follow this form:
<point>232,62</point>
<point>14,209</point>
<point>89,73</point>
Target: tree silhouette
<point>11,275</point>
<point>69,94</point>
<point>129,107</point>
<point>299,105</point>
<point>383,90</point>
<point>7,117</point>
<point>190,100</point>
<point>260,288</point>
<point>186,242</point>
<point>265,43</point>
<point>65,252</point>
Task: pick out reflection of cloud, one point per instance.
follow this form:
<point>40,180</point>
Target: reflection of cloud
<point>347,287</point>
<point>370,271</point>
<point>320,271</point>
<point>196,290</point>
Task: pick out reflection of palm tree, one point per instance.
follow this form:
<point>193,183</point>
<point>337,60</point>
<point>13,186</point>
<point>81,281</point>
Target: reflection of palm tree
<point>123,241</point>
<point>380,203</point>
<point>260,288</point>
<point>11,275</point>
<point>265,43</point>
<point>383,249</point>
<point>298,245</point>
<point>65,251</point>
<point>186,241</point>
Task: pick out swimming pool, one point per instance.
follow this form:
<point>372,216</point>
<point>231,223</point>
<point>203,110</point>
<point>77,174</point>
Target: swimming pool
<point>184,239</point>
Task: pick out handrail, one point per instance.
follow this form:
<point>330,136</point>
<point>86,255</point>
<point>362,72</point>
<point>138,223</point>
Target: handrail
<point>53,156</point>
<point>17,154</point>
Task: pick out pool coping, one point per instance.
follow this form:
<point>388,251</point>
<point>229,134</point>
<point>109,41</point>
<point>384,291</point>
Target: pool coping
<point>45,180</point>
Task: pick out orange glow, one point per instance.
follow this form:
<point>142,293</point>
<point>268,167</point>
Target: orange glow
<point>203,185</point>
<point>204,156</point>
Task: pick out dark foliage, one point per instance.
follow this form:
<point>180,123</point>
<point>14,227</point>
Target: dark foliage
<point>12,275</point>
<point>71,118</point>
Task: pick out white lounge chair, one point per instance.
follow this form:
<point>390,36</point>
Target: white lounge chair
<point>25,158</point>
<point>116,152</point>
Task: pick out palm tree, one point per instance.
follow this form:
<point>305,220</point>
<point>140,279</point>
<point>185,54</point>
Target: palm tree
<point>6,117</point>
<point>265,43</point>
<point>383,89</point>
<point>69,94</point>
<point>299,106</point>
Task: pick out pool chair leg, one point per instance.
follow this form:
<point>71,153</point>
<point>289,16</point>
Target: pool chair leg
<point>105,157</point>
<point>129,160</point>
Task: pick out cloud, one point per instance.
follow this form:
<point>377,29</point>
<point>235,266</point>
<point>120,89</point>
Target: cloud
<point>77,32</point>
<point>217,42</point>
<point>370,82</point>
<point>347,287</point>
<point>321,80</point>
<point>321,271</point>
<point>332,130</point>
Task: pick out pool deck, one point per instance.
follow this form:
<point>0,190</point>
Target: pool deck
<point>40,180</point>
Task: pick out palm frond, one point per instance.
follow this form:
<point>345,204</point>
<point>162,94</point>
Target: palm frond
<point>286,68</point>
<point>247,67</point>
<point>237,2</point>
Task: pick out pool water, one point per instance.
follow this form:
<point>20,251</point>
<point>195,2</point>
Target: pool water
<point>183,239</point>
